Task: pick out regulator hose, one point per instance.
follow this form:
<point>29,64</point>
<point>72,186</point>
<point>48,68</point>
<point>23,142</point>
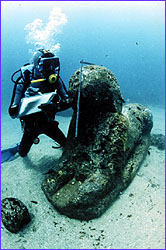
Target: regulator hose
<point>14,75</point>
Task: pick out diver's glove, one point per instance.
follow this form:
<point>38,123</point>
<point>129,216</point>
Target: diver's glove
<point>64,104</point>
<point>49,108</point>
<point>13,111</point>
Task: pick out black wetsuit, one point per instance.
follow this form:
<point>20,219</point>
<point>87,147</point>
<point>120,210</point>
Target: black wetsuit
<point>37,124</point>
<point>41,122</point>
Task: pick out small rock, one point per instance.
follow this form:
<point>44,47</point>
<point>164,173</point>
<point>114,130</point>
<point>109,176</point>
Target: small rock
<point>14,214</point>
<point>158,140</point>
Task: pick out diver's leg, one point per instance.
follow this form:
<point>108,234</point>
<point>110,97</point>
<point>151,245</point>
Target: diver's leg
<point>25,145</point>
<point>55,133</point>
<point>31,131</point>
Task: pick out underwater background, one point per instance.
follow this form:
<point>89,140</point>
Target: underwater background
<point>126,37</point>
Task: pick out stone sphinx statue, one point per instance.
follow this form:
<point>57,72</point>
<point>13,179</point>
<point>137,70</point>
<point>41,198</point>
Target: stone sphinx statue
<point>111,144</point>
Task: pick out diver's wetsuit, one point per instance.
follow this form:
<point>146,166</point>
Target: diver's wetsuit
<point>41,122</point>
<point>37,124</point>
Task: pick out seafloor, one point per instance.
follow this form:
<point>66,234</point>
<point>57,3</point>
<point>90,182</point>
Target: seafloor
<point>134,221</point>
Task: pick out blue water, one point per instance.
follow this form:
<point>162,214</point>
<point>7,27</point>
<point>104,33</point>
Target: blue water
<point>126,37</point>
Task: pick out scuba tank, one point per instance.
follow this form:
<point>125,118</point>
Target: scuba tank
<point>20,87</point>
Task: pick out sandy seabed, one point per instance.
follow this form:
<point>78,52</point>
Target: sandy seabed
<point>136,220</point>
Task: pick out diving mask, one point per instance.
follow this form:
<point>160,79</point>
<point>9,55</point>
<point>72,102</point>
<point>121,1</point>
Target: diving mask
<point>48,65</point>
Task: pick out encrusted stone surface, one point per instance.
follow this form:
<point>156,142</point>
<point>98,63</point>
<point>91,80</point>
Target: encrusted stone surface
<point>100,90</point>
<point>109,149</point>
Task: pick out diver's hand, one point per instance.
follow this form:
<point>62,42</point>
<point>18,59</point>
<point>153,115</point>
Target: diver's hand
<point>13,110</point>
<point>64,104</point>
<point>49,107</point>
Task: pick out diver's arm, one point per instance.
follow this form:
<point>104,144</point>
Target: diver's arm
<point>65,102</point>
<point>20,89</point>
<point>61,90</point>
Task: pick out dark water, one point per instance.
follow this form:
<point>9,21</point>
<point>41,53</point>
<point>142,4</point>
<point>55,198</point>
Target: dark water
<point>125,37</point>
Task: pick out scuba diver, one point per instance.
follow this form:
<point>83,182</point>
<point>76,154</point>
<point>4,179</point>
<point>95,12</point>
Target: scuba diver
<point>38,94</point>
